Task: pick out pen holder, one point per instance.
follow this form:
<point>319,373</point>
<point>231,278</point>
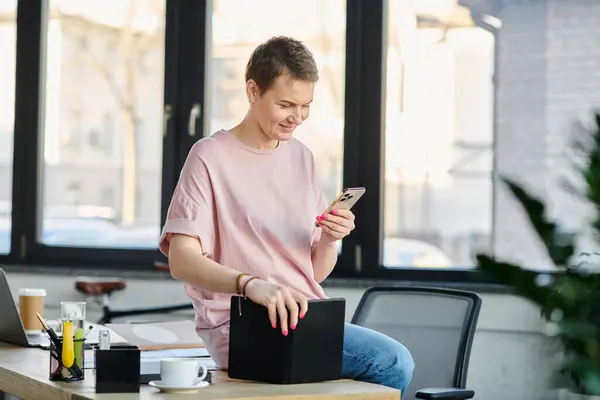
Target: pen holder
<point>118,369</point>
<point>58,372</point>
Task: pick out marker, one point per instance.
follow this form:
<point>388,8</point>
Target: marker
<point>67,355</point>
<point>78,347</point>
<point>88,331</point>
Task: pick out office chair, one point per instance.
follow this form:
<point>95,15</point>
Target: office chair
<point>436,325</point>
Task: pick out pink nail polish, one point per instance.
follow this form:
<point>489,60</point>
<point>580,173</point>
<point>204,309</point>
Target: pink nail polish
<point>302,316</point>
<point>285,332</point>
<point>293,327</point>
<point>274,326</point>
<point>324,216</point>
<point>334,212</point>
<point>319,218</point>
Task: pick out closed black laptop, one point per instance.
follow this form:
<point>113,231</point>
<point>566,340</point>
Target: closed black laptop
<point>310,353</point>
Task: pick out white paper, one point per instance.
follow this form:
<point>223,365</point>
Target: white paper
<point>175,353</point>
<point>173,334</point>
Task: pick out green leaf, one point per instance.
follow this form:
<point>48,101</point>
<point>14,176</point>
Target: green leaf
<point>586,372</point>
<point>591,173</point>
<point>522,280</point>
<point>560,245</point>
<point>577,330</point>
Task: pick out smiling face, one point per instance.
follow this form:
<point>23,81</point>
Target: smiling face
<point>281,108</point>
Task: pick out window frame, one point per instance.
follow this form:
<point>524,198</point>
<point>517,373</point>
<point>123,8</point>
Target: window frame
<point>186,48</point>
<point>370,160</point>
<point>28,138</point>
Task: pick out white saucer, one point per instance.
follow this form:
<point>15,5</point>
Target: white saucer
<point>199,384</point>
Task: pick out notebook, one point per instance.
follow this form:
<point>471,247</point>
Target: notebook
<point>160,335</point>
<point>310,353</point>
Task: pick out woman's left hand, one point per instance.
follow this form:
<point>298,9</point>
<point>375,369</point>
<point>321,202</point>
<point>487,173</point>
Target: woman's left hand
<point>336,225</point>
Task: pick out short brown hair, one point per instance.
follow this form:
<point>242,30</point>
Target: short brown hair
<point>279,55</point>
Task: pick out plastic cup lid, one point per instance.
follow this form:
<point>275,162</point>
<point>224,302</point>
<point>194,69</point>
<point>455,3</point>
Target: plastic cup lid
<point>32,292</point>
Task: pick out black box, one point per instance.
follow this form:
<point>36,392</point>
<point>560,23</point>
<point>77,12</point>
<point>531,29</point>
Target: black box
<point>310,353</point>
<point>118,369</point>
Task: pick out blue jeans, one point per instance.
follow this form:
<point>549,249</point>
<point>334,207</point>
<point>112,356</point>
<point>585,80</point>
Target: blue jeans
<point>371,356</point>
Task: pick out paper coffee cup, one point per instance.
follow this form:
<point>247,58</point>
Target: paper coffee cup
<point>31,301</point>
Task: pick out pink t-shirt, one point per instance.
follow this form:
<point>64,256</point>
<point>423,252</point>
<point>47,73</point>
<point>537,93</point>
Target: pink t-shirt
<point>253,211</point>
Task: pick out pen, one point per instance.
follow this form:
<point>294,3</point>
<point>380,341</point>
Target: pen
<point>88,331</point>
<point>50,333</point>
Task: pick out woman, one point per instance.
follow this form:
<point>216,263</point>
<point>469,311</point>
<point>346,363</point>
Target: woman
<point>242,219</point>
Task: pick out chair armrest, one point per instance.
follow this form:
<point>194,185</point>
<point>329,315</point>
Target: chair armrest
<point>444,393</point>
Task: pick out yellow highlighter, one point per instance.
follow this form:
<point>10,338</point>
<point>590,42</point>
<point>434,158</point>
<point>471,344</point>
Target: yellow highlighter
<point>67,356</point>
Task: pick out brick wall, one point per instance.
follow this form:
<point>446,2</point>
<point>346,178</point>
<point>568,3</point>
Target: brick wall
<point>573,76</point>
<point>548,75</point>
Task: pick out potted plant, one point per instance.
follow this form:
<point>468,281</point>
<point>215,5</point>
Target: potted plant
<point>569,296</point>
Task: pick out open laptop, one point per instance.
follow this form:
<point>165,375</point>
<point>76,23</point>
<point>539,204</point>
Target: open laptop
<point>11,327</point>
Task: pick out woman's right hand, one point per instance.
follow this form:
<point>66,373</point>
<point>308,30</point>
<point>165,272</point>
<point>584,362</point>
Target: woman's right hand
<point>279,300</point>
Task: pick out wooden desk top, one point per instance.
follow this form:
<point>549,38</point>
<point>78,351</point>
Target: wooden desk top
<point>24,373</point>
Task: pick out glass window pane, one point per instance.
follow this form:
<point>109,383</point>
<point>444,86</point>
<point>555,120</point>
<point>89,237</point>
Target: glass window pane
<point>103,123</point>
<point>439,136</point>
<point>548,89</point>
<point>239,26</point>
<point>8,40</point>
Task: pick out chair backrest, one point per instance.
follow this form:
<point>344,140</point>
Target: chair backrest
<point>436,325</point>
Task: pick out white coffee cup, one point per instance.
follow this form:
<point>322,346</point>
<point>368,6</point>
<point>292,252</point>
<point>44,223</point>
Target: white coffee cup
<point>181,372</point>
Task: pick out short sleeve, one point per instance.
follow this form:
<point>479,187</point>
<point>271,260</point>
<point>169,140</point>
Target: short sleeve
<point>191,209</point>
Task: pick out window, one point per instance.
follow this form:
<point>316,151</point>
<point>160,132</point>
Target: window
<point>72,137</point>
<point>94,140</point>
<point>107,197</point>
<point>438,136</point>
<point>238,27</point>
<point>108,127</point>
<point>474,94</point>
<point>88,81</point>
<point>8,31</point>
<point>470,92</point>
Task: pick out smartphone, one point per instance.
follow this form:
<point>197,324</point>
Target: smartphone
<point>346,199</point>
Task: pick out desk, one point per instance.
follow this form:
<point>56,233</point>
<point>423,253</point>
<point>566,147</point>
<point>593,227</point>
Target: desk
<point>24,373</point>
